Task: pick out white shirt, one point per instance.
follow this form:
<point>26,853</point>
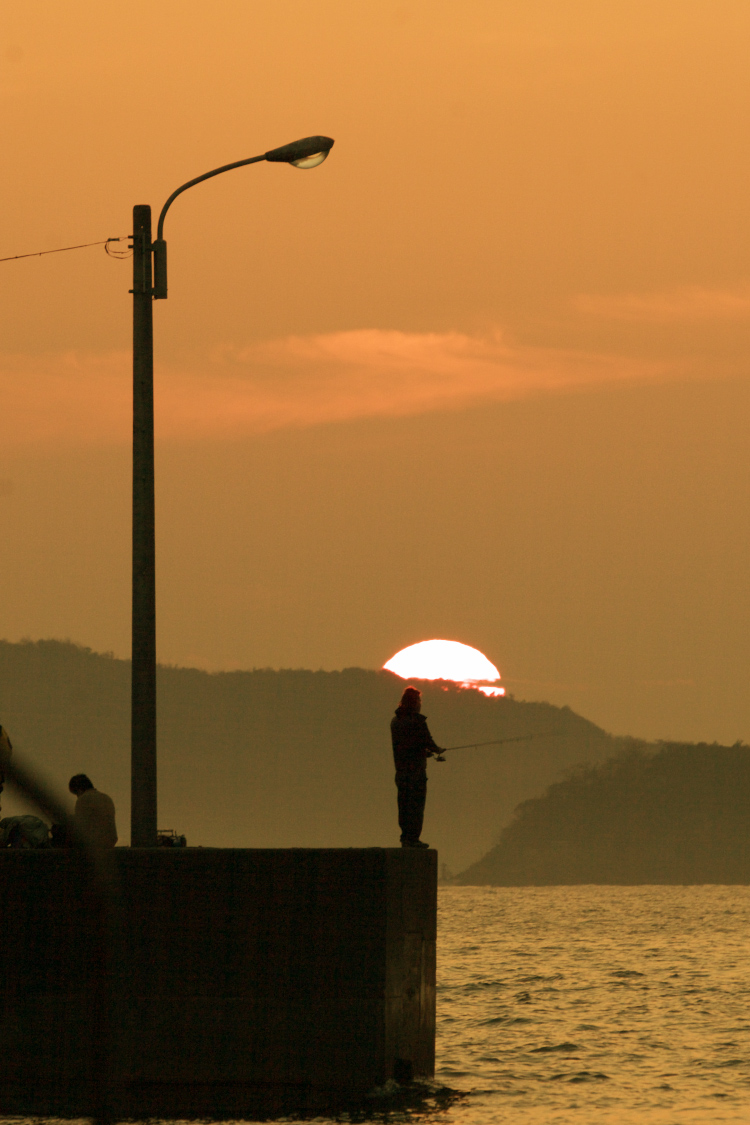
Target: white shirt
<point>94,817</point>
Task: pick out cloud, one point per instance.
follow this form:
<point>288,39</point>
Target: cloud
<point>687,303</point>
<point>295,382</point>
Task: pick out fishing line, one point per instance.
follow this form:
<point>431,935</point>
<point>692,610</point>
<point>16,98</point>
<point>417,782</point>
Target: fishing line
<point>82,246</point>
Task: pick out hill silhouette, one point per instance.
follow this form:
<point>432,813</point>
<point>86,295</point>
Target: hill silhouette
<point>285,758</point>
<point>671,813</point>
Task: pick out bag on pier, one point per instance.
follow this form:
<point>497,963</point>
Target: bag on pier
<point>23,832</point>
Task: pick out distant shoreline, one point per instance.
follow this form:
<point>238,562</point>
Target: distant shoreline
<point>671,815</point>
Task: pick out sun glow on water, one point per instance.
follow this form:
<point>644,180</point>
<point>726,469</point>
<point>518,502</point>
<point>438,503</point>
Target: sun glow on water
<point>446,660</point>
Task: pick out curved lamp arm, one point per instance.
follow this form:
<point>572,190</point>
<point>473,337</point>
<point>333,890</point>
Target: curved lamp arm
<point>198,180</point>
<point>307,153</point>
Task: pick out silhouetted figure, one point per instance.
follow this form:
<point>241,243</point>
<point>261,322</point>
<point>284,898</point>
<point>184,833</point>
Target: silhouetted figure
<point>412,746</point>
<point>6,750</point>
<point>94,814</point>
<point>23,831</point>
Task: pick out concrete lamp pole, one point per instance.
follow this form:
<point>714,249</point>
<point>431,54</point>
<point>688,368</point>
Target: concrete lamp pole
<point>150,285</point>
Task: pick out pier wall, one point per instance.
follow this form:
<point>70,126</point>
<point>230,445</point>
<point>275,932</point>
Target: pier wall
<point>228,980</point>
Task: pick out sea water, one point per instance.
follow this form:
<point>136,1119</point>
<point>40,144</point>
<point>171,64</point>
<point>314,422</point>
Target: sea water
<point>595,1004</point>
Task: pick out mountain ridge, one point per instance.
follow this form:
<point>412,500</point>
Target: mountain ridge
<point>288,758</point>
<point>669,813</point>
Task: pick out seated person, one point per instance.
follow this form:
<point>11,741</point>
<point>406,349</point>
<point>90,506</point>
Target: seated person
<point>94,814</point>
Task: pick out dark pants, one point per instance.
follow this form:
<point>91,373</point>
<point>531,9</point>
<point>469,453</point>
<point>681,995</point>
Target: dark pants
<point>412,793</point>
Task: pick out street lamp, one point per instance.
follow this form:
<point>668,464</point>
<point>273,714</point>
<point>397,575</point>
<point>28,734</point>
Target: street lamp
<point>307,153</point>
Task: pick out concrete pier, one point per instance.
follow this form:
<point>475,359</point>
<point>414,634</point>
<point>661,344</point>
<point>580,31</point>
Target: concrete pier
<point>232,981</point>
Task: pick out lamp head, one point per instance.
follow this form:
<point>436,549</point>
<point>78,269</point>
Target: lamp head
<point>307,153</point>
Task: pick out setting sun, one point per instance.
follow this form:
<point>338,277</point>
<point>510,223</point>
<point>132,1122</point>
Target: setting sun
<point>446,660</point>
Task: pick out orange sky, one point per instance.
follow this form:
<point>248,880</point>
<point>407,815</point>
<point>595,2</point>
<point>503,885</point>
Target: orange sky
<point>482,375</point>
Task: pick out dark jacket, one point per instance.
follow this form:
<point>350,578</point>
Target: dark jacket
<point>6,750</point>
<point>411,741</point>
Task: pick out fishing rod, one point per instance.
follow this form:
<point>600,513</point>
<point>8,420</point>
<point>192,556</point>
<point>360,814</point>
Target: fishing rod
<point>496,742</point>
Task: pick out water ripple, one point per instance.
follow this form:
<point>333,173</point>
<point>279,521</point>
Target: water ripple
<point>642,990</point>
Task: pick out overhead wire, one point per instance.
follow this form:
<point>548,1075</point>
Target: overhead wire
<point>82,246</point>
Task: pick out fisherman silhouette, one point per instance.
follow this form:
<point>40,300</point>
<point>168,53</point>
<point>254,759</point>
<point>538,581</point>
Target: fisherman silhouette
<point>412,746</point>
